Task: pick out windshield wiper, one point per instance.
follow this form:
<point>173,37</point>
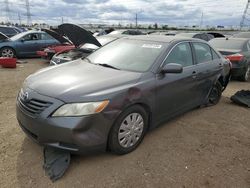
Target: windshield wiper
<point>107,65</point>
<point>83,58</point>
<point>101,64</point>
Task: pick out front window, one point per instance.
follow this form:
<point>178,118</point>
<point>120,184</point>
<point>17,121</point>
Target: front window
<point>181,54</point>
<point>131,55</point>
<point>33,36</point>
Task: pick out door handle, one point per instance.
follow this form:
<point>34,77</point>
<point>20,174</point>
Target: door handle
<point>194,74</point>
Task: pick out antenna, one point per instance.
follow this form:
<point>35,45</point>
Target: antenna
<point>28,12</point>
<point>242,23</point>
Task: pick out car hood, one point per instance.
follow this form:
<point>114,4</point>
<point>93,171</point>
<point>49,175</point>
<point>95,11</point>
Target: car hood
<point>56,35</point>
<point>80,81</point>
<point>77,35</point>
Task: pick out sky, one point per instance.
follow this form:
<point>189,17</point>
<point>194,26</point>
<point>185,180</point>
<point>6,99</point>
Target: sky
<point>169,12</point>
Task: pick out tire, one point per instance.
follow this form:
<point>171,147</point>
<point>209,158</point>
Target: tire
<point>7,52</point>
<point>246,76</point>
<point>215,94</point>
<point>123,132</point>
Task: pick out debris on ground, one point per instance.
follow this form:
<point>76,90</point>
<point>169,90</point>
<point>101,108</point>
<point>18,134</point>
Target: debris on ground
<point>56,162</point>
<point>242,98</point>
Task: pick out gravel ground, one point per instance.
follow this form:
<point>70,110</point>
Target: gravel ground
<point>207,147</point>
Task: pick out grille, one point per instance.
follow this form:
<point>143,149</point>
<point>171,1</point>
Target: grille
<point>32,106</point>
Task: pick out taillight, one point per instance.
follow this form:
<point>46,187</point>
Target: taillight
<point>235,57</point>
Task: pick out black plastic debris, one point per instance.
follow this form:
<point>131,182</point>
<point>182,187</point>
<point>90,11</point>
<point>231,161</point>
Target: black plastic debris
<point>242,98</point>
<point>56,162</point>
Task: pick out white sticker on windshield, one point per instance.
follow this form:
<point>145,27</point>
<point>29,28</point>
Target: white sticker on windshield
<point>151,46</point>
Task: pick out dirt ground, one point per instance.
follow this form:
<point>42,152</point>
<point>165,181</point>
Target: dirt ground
<point>207,147</point>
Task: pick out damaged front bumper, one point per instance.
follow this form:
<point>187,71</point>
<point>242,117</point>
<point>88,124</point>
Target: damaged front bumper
<point>81,135</point>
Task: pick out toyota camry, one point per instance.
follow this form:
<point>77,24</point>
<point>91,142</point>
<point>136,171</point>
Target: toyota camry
<point>109,100</point>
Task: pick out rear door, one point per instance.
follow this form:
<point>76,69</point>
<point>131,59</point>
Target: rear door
<point>47,40</point>
<point>208,67</point>
<point>175,91</point>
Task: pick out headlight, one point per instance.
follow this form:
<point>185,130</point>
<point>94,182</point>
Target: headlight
<point>80,109</point>
<point>48,50</point>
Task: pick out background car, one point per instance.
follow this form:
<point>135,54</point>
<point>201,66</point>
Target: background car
<point>167,33</point>
<point>110,99</point>
<point>26,44</point>
<point>242,35</point>
<point>71,36</point>
<point>237,50</point>
<point>127,32</point>
<point>83,51</point>
<point>3,37</point>
<point>202,36</point>
<point>9,31</point>
<point>49,51</point>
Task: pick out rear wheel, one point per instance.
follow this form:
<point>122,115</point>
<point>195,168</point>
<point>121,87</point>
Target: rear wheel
<point>246,75</point>
<point>215,94</point>
<point>128,130</point>
<point>7,52</point>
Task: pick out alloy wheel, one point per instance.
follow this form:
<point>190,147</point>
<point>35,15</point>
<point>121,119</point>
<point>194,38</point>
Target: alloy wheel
<point>7,52</point>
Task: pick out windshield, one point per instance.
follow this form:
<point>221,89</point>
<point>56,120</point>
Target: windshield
<point>18,36</point>
<point>227,44</point>
<point>101,40</point>
<point>131,55</point>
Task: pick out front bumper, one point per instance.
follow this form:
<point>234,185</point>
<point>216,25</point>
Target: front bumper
<point>81,135</point>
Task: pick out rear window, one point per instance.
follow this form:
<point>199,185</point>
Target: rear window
<point>202,52</point>
<point>227,44</point>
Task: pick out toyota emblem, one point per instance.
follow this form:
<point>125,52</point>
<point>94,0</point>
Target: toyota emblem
<point>26,96</point>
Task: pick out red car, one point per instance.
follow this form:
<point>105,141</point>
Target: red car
<point>71,36</point>
<point>49,51</point>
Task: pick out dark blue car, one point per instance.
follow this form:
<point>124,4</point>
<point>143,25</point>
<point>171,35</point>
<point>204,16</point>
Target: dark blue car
<point>25,44</point>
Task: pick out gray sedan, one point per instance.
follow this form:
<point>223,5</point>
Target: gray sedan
<point>109,100</point>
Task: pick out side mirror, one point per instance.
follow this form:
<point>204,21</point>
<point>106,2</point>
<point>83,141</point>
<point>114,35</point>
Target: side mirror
<point>22,40</point>
<point>172,68</point>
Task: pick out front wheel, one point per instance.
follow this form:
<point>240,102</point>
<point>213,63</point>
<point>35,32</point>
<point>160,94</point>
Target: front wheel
<point>215,94</point>
<point>7,52</point>
<point>128,130</point>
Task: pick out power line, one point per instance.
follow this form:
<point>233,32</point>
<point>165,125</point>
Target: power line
<point>28,12</point>
<point>7,9</point>
<point>242,23</point>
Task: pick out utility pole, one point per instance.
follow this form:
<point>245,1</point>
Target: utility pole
<point>7,10</point>
<point>62,20</point>
<point>28,12</point>
<point>201,23</point>
<point>19,18</point>
<point>242,23</point>
<point>136,19</point>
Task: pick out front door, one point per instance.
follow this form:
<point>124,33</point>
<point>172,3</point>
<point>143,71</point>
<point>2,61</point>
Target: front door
<point>175,91</point>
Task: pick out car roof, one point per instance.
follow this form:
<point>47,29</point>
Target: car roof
<point>162,38</point>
